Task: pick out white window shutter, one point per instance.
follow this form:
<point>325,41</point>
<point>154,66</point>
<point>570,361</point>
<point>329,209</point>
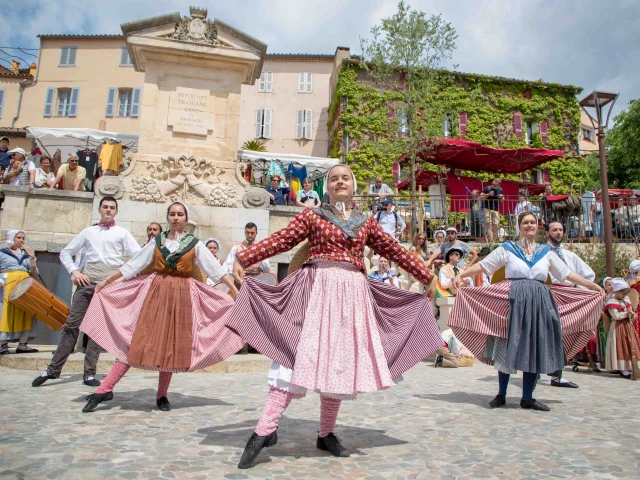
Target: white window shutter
<point>73,103</point>
<point>269,82</point>
<point>259,123</point>
<point>111,99</point>
<point>48,102</point>
<point>135,102</point>
<point>64,55</point>
<point>309,85</point>
<point>1,102</point>
<point>124,57</point>
<point>301,81</point>
<point>72,56</point>
<point>299,124</point>
<point>261,85</point>
<point>266,132</point>
<point>308,125</point>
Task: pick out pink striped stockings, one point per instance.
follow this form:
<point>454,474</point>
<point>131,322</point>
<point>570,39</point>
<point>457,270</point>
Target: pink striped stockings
<point>118,371</point>
<point>279,400</point>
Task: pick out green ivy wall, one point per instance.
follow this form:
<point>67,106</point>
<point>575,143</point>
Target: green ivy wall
<point>369,116</point>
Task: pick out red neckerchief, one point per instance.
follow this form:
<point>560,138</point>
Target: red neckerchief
<point>107,225</point>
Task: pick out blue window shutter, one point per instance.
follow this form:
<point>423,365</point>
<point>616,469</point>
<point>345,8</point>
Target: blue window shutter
<point>73,104</point>
<point>111,100</point>
<point>48,102</point>
<point>1,102</point>
<point>135,102</point>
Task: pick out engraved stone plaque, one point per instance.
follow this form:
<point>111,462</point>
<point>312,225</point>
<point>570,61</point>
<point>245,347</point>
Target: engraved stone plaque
<point>191,111</point>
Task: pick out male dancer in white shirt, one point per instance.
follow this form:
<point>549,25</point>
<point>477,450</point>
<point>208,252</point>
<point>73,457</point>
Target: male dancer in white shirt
<point>554,231</point>
<point>250,233</point>
<point>104,245</point>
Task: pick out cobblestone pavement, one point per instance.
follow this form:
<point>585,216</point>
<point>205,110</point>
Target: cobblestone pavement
<point>434,425</point>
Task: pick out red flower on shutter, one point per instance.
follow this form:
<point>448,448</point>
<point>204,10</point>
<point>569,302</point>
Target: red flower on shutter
<point>462,123</point>
<point>544,131</point>
<point>395,169</point>
<point>392,113</point>
<point>546,179</point>
<point>517,124</point>
<point>527,94</point>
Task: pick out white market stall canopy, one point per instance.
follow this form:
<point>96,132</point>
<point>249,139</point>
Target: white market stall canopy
<point>70,140</point>
<point>316,166</point>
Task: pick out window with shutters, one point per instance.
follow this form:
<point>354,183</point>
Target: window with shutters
<point>263,123</point>
<point>64,102</point>
<point>125,98</point>
<point>403,120</point>
<point>304,125</point>
<point>530,127</point>
<point>448,124</point>
<point>1,102</point>
<point>587,134</point>
<point>68,56</point>
<point>305,82</point>
<point>536,176</point>
<point>125,59</point>
<point>266,82</point>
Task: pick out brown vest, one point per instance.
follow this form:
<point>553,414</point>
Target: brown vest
<point>186,266</point>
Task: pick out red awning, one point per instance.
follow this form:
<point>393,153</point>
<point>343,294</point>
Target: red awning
<point>460,154</point>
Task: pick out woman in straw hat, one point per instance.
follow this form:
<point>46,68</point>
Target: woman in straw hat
<point>16,264</point>
<point>521,323</point>
<point>165,319</point>
<point>326,327</point>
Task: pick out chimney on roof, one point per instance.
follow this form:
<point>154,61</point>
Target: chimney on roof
<point>15,67</point>
<point>32,70</point>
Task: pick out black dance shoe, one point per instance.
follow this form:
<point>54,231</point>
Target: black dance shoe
<point>163,404</point>
<point>439,361</point>
<point>254,445</point>
<point>332,444</point>
<point>40,379</point>
<point>533,404</point>
<point>556,382</point>
<point>91,382</point>
<point>96,399</point>
<point>498,401</point>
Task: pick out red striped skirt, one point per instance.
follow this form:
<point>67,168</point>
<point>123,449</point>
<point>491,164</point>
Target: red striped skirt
<point>113,314</point>
<point>339,332</point>
<point>481,313</point>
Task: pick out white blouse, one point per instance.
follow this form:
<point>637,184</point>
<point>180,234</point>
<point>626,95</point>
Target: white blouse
<point>516,268</point>
<point>204,260</point>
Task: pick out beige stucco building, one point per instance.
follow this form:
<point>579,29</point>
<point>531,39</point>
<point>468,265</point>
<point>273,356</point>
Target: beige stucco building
<point>587,137</point>
<point>89,81</point>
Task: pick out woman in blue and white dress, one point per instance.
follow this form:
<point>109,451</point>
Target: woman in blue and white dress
<point>522,323</point>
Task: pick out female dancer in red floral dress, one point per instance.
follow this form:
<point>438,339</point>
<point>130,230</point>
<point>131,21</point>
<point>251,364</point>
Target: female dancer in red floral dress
<point>326,327</point>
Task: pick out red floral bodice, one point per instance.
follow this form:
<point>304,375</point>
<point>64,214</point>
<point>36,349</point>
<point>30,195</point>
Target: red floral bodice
<point>327,241</point>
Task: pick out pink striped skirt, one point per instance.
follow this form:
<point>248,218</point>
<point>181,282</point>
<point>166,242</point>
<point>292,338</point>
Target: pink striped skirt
<point>113,315</point>
<point>481,315</point>
<point>338,332</point>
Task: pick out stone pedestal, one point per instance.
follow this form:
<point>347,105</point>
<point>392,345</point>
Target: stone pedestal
<point>446,305</point>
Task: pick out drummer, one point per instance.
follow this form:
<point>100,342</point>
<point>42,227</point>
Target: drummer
<point>16,264</point>
<point>250,234</point>
<point>104,245</point>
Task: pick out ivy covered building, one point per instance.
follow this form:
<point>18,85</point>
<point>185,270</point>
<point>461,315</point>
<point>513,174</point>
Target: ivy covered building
<point>368,125</point>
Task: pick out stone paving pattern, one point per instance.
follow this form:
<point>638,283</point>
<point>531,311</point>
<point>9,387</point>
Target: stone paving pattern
<point>434,425</point>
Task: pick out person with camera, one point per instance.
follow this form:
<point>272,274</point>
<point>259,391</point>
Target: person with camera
<point>492,196</point>
<point>389,219</point>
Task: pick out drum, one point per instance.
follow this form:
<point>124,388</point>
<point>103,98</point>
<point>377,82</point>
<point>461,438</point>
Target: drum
<point>35,299</point>
<point>268,278</point>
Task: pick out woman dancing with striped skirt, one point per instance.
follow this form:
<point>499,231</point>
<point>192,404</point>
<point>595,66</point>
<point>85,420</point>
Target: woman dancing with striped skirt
<point>326,327</point>
<point>521,323</point>
<point>166,318</point>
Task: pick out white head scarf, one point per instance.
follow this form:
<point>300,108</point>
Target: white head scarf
<point>186,209</point>
<point>604,282</point>
<point>619,284</point>
<point>217,242</point>
<point>340,206</point>
<point>634,267</point>
<point>444,234</point>
<point>11,235</point>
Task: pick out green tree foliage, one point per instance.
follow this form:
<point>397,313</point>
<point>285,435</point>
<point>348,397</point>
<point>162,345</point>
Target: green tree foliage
<point>623,146</point>
<point>594,256</point>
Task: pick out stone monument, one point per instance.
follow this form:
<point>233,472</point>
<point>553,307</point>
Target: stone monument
<point>194,69</point>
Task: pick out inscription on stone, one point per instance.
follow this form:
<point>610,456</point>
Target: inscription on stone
<point>191,111</point>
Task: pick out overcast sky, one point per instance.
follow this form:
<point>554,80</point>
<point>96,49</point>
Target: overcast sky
<point>590,43</point>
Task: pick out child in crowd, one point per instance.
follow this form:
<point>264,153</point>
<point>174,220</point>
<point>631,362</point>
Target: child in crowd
<point>623,345</point>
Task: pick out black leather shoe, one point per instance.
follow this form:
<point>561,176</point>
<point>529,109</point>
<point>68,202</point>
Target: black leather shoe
<point>438,362</point>
<point>558,383</point>
<point>254,445</point>
<point>96,399</point>
<point>332,444</point>
<point>534,405</point>
<point>94,382</point>
<point>163,404</point>
<point>498,401</point>
<point>627,376</point>
<point>39,380</point>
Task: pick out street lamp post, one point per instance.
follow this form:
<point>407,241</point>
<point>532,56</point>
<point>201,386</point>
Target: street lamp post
<point>597,101</point>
